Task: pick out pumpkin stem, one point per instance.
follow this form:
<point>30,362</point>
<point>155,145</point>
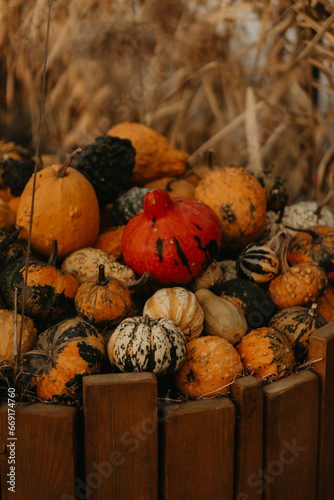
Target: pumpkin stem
<point>62,171</point>
<point>313,311</point>
<point>282,253</point>
<point>134,284</point>
<point>147,320</point>
<point>312,233</point>
<point>102,276</point>
<point>16,233</point>
<point>210,159</point>
<point>54,253</point>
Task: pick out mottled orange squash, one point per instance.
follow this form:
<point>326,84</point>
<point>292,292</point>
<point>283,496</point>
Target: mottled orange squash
<point>211,365</point>
<point>63,354</point>
<point>110,241</point>
<point>103,303</point>
<point>240,202</point>
<point>265,352</point>
<point>155,157</point>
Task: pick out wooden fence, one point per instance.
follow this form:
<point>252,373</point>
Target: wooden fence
<point>268,442</point>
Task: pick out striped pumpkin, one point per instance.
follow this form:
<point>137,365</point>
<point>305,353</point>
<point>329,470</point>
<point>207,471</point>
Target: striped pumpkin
<point>141,344</point>
<point>257,263</point>
<point>298,323</point>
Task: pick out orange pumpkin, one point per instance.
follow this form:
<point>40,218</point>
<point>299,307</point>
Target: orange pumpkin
<point>65,209</point>
<point>325,304</point>
<point>240,202</point>
<point>297,285</point>
<point>211,365</point>
<point>103,303</point>
<point>155,157</point>
<point>110,241</point>
<point>265,352</point>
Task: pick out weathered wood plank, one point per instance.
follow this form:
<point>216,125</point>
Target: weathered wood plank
<point>322,349</point>
<point>247,396</point>
<point>121,436</point>
<point>44,452</point>
<point>197,450</point>
<point>290,437</point>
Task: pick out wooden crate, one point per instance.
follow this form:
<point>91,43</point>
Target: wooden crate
<point>264,442</point>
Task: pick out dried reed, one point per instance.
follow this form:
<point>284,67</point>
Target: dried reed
<point>252,80</point>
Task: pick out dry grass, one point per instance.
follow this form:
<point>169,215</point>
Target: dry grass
<point>252,80</point>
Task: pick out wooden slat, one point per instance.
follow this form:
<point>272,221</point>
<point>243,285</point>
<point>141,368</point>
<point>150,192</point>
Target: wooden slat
<point>197,450</point>
<point>247,396</point>
<point>322,349</point>
<point>45,461</point>
<point>290,438</point>
<point>121,436</point>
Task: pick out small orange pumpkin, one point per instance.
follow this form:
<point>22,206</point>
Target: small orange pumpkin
<point>103,303</point>
<point>65,209</point>
<point>110,241</point>
<point>298,285</point>
<point>325,304</point>
<point>265,352</point>
<point>240,202</point>
<point>211,365</point>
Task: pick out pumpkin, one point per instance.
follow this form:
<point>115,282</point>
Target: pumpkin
<point>298,323</point>
<point>175,186</point>
<point>221,317</point>
<point>110,241</point>
<point>7,216</point>
<point>213,275</point>
<point>174,240</point>
<point>250,298</point>
<point>10,249</point>
<point>18,166</point>
<point>211,365</point>
<point>239,201</point>
<point>65,209</point>
<point>325,304</point>
<point>155,157</point>
<point>7,328</point>
<point>128,205</point>
<point>315,244</point>
<point>178,305</point>
<point>83,265</point>
<point>50,292</point>
<point>298,285</point>
<point>145,344</point>
<point>63,355</point>
<point>104,302</point>
<point>266,352</point>
<point>258,263</point>
<point>298,215</point>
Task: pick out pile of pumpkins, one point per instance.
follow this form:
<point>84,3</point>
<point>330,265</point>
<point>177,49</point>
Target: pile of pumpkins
<point>207,275</point>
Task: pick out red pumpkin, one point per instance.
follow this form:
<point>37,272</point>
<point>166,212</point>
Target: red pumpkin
<point>174,240</point>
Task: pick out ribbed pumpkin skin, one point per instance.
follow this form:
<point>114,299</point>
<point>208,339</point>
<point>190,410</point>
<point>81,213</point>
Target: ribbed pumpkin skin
<point>65,209</point>
<point>50,292</point>
<point>240,202</point>
<point>173,240</point>
<point>69,350</point>
<point>147,345</point>
<point>178,305</point>
<point>266,352</point>
<point>305,248</point>
<point>257,263</point>
<point>298,323</point>
<point>211,365</point>
<point>301,285</point>
<point>103,305</point>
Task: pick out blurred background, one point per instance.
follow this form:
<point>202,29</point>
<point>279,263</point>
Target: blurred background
<point>251,80</point>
